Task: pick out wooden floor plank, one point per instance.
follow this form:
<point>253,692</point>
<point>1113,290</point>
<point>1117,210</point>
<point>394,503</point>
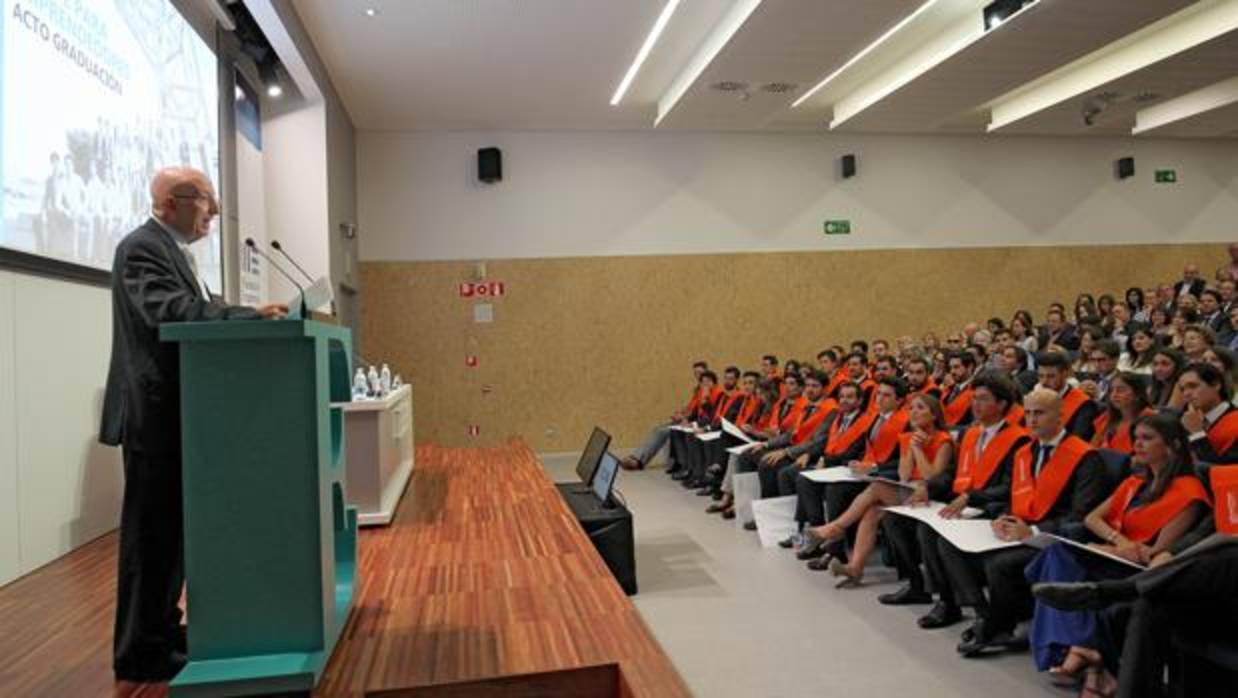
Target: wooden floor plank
<point>483,573</point>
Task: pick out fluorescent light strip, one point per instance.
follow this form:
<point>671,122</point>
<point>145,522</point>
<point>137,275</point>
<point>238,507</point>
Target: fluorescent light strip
<point>1200,101</point>
<point>714,43</point>
<point>1178,32</point>
<point>663,19</point>
<point>866,50</point>
<point>963,33</point>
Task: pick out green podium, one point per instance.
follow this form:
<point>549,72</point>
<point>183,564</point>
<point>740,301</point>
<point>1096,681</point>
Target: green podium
<point>270,547</point>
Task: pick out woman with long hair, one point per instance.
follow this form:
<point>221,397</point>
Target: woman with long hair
<point>1144,516</point>
<point>1127,401</point>
<point>1167,365</point>
<point>1141,344</point>
<point>924,452</point>
<point>1104,306</point>
<point>1135,300</point>
<point>1023,330</point>
<point>1085,309</point>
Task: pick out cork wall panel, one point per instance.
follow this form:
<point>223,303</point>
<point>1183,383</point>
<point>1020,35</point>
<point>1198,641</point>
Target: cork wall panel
<point>609,340</point>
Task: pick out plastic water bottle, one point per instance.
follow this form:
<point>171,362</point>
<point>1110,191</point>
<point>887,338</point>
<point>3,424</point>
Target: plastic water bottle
<point>360,386</point>
<point>385,379</point>
<point>397,382</point>
<point>375,386</point>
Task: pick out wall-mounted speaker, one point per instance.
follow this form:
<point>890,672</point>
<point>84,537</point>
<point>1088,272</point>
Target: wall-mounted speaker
<point>848,165</point>
<point>1125,167</point>
<point>490,165</point>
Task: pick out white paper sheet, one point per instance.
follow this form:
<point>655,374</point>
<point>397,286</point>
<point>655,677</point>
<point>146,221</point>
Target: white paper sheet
<point>742,448</point>
<point>967,534</point>
<point>709,436</point>
<point>775,519</point>
<point>686,430</point>
<point>735,431</point>
<point>833,474</point>
<point>747,487</point>
<point>1044,540</point>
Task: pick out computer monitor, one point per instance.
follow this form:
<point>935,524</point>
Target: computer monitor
<point>604,478</point>
<point>589,458</point>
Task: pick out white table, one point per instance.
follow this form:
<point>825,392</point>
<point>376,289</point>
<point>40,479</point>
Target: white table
<point>378,436</point>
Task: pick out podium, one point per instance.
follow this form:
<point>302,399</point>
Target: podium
<point>270,547</point>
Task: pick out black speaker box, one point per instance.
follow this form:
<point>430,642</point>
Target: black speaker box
<point>848,162</point>
<point>490,165</point>
<point>1125,167</point>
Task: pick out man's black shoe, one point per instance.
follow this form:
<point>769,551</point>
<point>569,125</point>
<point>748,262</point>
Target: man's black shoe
<point>160,671</point>
<point>906,597</point>
<point>942,615</point>
<point>750,525</point>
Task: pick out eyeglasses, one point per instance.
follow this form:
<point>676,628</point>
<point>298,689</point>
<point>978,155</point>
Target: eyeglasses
<point>196,196</point>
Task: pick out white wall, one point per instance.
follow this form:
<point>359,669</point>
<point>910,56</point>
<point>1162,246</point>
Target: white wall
<point>581,194</point>
<point>294,150</point>
<point>59,488</point>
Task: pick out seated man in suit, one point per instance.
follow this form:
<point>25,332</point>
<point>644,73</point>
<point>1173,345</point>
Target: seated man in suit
<point>1079,412</point>
<point>881,349</point>
<point>779,430</point>
<point>956,399</point>
<point>827,363</point>
<point>1211,314</point>
<point>694,451</point>
<point>1104,361</point>
<point>981,479</point>
<point>881,452</point>
<point>1058,332</point>
<point>783,450</point>
<point>885,367</point>
<point>919,376</point>
<point>155,281</point>
<point>1191,284</point>
<point>1057,480</point>
<point>660,435</point>
<point>1210,417</point>
<point>856,369</point>
<point>711,397</point>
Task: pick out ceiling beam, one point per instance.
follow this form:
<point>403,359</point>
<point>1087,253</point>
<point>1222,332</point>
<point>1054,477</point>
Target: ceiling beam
<point>1178,32</point>
<point>726,28</point>
<point>1191,104</point>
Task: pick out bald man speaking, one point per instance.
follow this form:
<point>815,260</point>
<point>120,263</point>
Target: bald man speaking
<point>155,280</point>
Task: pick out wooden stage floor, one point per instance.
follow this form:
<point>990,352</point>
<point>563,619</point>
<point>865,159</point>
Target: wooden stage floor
<point>483,573</point>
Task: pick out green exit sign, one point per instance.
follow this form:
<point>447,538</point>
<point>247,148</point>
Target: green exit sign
<point>1166,176</point>
<point>838,227</point>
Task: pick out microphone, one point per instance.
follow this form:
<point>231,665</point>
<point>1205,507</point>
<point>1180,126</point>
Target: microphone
<point>280,249</point>
<point>249,242</point>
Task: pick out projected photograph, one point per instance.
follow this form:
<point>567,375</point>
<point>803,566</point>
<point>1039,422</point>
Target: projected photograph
<point>97,96</point>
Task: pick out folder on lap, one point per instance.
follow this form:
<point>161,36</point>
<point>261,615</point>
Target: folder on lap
<point>1044,540</point>
<point>968,534</point>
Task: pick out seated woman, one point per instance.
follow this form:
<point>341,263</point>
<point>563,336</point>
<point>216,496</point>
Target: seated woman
<point>758,423</point>
<point>1127,401</point>
<point>925,451</point>
<point>1144,516</point>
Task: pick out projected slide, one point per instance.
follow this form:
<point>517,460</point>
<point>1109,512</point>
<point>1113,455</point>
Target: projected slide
<point>97,96</point>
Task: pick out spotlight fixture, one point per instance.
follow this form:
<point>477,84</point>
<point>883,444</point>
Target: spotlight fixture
<point>240,94</point>
<point>274,90</point>
<point>371,12</point>
<point>999,11</point>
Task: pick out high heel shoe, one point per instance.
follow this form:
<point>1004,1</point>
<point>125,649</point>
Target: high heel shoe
<point>849,580</point>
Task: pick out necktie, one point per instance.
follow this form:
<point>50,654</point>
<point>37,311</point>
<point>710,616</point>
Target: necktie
<point>877,424</point>
<point>1045,451</point>
<point>193,267</point>
<point>984,440</point>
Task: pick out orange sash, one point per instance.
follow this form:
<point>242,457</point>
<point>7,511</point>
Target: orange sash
<point>879,450</point>
<point>1144,522</point>
<point>1223,434</point>
<point>929,386</point>
<point>806,427</point>
<point>708,407</point>
<point>696,400</point>
<point>733,397</point>
<point>836,380</point>
<point>1071,402</point>
<point>752,403</point>
<point>973,474</point>
<point>936,441</point>
<point>1032,498</point>
<point>1117,439</point>
<point>1014,416</point>
<point>959,407</point>
<point>788,422</point>
<point>1224,479</point>
<point>838,443</point>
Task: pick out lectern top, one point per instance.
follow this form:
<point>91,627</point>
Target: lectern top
<point>232,330</point>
